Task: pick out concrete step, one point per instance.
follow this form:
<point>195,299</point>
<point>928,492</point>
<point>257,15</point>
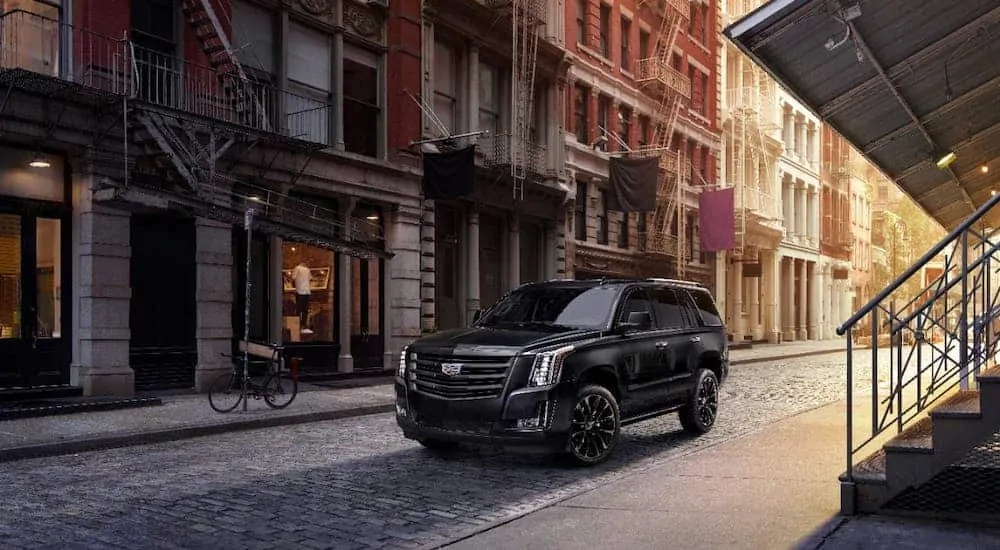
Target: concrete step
<point>868,490</point>
<point>909,457</point>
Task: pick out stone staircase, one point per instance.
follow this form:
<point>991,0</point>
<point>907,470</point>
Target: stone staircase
<point>926,448</point>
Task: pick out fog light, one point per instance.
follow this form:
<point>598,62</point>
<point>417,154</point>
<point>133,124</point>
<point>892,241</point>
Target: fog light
<point>400,410</point>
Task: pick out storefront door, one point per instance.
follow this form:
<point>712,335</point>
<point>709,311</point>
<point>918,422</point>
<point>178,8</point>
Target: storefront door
<point>34,344</point>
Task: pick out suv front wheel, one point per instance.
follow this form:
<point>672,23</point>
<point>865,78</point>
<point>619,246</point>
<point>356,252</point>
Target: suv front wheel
<point>595,424</point>
<point>699,415</point>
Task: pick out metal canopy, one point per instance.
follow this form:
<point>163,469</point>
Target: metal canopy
<point>926,84</point>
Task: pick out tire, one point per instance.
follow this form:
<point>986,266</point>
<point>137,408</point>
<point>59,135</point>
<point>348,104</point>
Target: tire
<point>223,389</point>
<point>280,389</point>
<point>702,409</point>
<point>594,426</point>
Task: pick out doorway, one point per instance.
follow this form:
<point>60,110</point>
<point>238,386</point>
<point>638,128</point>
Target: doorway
<point>34,312</point>
<point>163,314</point>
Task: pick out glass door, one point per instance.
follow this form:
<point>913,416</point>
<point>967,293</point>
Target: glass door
<point>33,349</point>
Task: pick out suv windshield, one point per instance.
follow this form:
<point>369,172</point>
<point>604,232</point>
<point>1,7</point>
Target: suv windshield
<point>568,307</point>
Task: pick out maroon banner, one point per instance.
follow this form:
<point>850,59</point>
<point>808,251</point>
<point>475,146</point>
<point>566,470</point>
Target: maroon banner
<point>716,209</point>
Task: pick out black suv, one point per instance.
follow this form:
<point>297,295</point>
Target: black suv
<point>561,365</point>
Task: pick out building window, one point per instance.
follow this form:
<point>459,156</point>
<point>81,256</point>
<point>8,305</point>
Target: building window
<point>580,107</point>
<point>489,98</point>
<point>581,22</point>
<point>446,86</point>
<point>362,112</point>
<point>643,131</point>
<point>602,218</point>
<point>643,44</point>
<point>253,36</point>
<point>603,106</point>
<point>626,35</point>
<point>640,223</point>
<point>308,285</point>
<point>705,98</point>
<point>625,125</point>
<point>606,31</point>
<point>580,212</point>
<point>623,230</point>
<point>309,65</point>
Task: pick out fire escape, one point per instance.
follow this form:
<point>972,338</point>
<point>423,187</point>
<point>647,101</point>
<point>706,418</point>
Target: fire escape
<point>190,125</point>
<point>752,169</point>
<point>518,151</point>
<point>670,87</point>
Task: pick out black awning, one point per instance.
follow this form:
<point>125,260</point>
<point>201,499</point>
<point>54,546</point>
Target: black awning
<point>940,58</point>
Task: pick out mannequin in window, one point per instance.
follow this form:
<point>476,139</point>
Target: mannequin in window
<point>302,276</point>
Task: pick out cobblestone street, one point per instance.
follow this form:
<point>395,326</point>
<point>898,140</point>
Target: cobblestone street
<point>352,483</point>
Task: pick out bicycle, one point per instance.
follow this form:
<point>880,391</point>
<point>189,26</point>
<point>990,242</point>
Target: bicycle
<point>278,383</point>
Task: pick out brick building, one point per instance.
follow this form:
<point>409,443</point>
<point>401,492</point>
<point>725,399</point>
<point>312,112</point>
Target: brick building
<point>143,131</point>
<point>630,62</point>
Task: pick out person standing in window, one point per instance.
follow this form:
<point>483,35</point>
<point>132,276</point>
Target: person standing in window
<point>302,276</point>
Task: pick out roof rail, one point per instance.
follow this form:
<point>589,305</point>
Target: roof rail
<point>674,281</point>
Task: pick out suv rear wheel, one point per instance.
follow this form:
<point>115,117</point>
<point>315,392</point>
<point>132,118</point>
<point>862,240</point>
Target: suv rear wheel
<point>698,416</point>
<point>596,422</point>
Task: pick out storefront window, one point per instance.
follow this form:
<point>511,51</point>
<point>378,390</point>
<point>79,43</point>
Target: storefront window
<point>308,289</point>
<point>366,294</point>
<point>48,273</point>
<point>10,276</point>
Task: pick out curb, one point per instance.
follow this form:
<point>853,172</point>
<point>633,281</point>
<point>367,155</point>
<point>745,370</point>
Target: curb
<point>778,358</point>
<point>74,446</point>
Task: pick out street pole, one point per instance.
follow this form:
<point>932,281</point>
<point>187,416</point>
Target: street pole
<point>247,220</point>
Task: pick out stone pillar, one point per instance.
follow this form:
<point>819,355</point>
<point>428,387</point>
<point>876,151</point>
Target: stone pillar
<point>428,320</point>
<point>101,257</point>
<point>788,130</point>
<point>275,291</point>
<point>754,328</point>
<point>812,151</point>
<point>788,207</point>
<point>812,207</point>
<point>472,266</point>
<point>721,282</point>
<point>789,310</point>
<point>771,294</point>
<point>800,211</point>
<point>345,287</point>
<point>800,138</point>
<point>514,251</point>
<point>404,306</point>
<point>214,329</point>
<point>803,288</point>
<point>815,283</point>
<point>736,299</point>
<point>830,309</point>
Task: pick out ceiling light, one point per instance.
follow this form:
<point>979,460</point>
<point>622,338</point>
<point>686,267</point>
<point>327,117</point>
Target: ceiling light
<point>984,169</point>
<point>39,162</point>
<point>993,193</point>
<point>373,217</point>
<point>945,160</point>
<point>254,198</point>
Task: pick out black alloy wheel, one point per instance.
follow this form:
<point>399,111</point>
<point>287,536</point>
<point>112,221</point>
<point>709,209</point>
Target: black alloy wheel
<point>594,426</point>
<point>699,415</point>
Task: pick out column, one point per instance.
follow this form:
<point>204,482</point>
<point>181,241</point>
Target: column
<point>803,288</point>
<point>813,210</point>
<point>800,138</point>
<point>788,319</point>
<point>830,309</point>
<point>771,295</point>
<point>427,264</point>
<point>788,130</point>
<point>214,295</point>
<point>275,291</point>
<point>736,300</point>
<point>514,251</point>
<point>472,266</point>
<point>345,286</point>
<point>754,328</point>
<point>788,207</point>
<point>338,90</point>
<point>800,210</point>
<point>814,301</point>
<point>812,151</point>
<point>720,281</point>
<point>101,300</point>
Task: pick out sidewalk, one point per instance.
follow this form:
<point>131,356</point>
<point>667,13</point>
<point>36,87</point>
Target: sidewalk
<point>773,489</point>
<point>187,416</point>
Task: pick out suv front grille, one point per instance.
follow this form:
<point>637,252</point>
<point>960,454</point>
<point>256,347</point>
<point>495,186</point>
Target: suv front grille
<point>479,377</point>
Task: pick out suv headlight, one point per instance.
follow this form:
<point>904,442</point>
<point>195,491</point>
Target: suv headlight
<point>548,366</point>
<point>404,357</point>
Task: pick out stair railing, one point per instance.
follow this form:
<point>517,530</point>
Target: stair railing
<point>927,337</point>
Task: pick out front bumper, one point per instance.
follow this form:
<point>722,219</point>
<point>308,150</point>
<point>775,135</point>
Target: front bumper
<point>506,421</point>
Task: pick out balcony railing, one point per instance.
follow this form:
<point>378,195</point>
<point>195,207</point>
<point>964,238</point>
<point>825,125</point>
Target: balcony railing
<point>749,100</point>
<point>498,151</point>
<point>758,201</point>
<point>655,69</point>
<point>117,66</point>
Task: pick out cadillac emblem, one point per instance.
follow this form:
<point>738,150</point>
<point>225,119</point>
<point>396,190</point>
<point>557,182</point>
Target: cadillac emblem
<point>451,369</point>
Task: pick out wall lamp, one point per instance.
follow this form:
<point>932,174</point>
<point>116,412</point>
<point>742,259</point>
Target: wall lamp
<point>945,160</point>
<point>38,161</point>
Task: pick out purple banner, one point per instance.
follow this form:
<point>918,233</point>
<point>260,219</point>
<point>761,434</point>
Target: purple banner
<point>716,211</point>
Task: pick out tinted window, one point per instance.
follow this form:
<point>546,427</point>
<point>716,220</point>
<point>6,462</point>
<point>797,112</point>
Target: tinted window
<point>556,307</point>
<point>709,315</point>
<point>669,311</point>
<point>636,301</point>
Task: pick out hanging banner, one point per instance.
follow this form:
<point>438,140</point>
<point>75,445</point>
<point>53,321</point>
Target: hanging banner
<point>715,211</point>
<point>450,175</point>
<point>633,184</point>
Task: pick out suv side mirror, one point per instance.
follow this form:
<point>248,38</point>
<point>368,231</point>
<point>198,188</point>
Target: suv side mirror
<point>637,321</point>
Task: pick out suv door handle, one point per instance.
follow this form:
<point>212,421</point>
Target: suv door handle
<point>662,345</point>
<point>695,339</point>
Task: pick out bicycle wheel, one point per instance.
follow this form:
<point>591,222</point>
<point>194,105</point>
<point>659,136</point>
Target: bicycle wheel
<point>280,389</point>
<point>225,392</point>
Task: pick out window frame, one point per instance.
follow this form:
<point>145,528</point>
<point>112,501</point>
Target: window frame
<point>582,16</point>
<point>497,114</point>
<point>581,113</point>
<point>378,106</point>
<point>603,218</point>
<point>455,88</point>
<point>625,43</point>
<point>604,26</point>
